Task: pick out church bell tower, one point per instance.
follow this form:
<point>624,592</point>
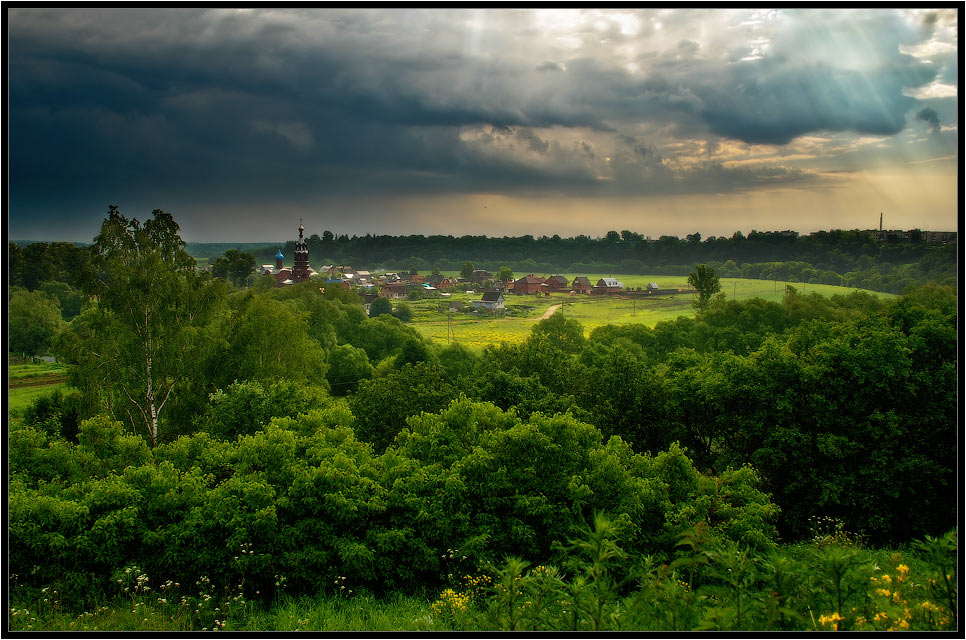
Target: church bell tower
<point>301,270</point>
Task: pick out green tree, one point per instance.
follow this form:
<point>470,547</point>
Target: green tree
<point>403,312</point>
<point>235,265</point>
<point>381,405</point>
<point>246,407</point>
<point>565,333</point>
<point>707,284</point>
<point>379,306</point>
<point>268,340</point>
<point>466,271</point>
<point>34,319</point>
<point>505,273</point>
<point>146,327</point>
<point>348,366</point>
<point>70,299</point>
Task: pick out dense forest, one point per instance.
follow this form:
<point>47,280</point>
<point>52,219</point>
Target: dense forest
<point>279,440</point>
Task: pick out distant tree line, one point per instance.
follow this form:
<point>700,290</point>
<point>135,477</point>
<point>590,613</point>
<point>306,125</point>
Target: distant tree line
<point>848,258</point>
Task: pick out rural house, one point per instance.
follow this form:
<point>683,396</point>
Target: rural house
<point>607,285</point>
<point>491,301</point>
<point>481,275</point>
<point>395,291</point>
<point>581,284</point>
<point>557,283</point>
<point>528,284</point>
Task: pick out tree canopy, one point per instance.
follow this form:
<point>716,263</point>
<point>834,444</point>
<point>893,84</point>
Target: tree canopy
<point>703,279</point>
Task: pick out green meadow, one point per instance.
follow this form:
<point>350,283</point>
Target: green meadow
<point>27,382</point>
<point>476,331</point>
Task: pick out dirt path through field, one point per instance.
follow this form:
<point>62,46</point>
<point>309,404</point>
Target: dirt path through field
<point>549,311</point>
<point>39,381</point>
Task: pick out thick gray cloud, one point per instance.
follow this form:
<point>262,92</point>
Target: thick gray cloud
<point>930,117</point>
<point>262,105</point>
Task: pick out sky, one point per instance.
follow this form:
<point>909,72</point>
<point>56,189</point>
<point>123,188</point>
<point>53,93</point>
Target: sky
<point>242,122</point>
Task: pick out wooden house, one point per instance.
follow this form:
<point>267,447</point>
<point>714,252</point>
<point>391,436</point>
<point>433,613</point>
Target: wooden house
<point>581,284</point>
<point>557,283</point>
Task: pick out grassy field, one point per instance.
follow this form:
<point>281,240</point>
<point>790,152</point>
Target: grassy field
<point>522,312</point>
<point>27,382</point>
<point>25,373</point>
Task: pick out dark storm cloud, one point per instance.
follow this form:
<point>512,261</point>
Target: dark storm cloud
<point>930,117</point>
<point>550,66</point>
<point>766,104</point>
<point>256,106</point>
<point>825,72</point>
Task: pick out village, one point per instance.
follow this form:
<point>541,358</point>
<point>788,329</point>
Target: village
<point>413,286</point>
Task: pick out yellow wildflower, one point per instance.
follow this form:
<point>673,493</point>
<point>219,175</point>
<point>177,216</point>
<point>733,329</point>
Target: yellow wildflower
<point>883,592</point>
<point>903,569</point>
<point>831,620</point>
<point>886,579</point>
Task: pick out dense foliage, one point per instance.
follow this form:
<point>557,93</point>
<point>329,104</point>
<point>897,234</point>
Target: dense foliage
<point>281,440</point>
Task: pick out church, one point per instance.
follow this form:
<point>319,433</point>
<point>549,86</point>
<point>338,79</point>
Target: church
<point>300,271</point>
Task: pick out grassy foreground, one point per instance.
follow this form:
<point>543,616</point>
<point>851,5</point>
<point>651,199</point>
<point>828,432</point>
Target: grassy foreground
<point>828,584</point>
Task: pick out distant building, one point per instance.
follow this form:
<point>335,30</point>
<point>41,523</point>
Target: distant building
<point>299,272</point>
<point>491,301</point>
<point>887,236</point>
<point>581,284</point>
<point>939,237</point>
<point>481,275</point>
<point>607,285</point>
<point>528,284</point>
<point>393,291</point>
<point>557,283</point>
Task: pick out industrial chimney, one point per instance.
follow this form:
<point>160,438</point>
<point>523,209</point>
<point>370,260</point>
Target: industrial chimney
<point>880,222</point>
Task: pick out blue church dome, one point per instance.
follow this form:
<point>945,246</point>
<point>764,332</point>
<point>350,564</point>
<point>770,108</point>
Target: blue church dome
<point>279,256</point>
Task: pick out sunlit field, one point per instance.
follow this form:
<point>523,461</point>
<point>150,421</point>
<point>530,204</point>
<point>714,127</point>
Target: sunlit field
<point>476,330</point>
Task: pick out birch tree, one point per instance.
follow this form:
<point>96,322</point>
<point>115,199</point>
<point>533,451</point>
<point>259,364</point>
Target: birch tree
<point>151,308</point>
